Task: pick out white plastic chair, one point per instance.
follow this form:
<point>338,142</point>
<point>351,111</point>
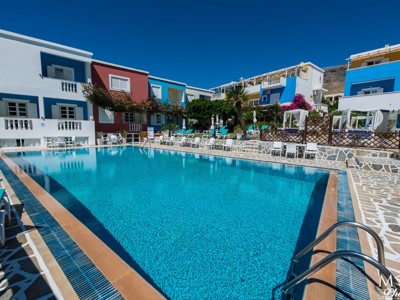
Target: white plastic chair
<point>61,141</point>
<point>276,147</point>
<point>182,141</point>
<point>211,143</point>
<point>6,212</point>
<point>228,144</point>
<point>311,148</point>
<point>291,148</point>
<point>196,142</point>
<point>171,141</point>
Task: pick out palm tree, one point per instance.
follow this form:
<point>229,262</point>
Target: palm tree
<point>238,97</point>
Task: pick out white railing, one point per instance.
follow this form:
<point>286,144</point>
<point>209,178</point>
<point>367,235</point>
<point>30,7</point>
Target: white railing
<point>12,129</point>
<point>253,89</point>
<point>135,127</point>
<point>218,96</point>
<point>321,107</point>
<point>274,83</point>
<point>385,101</point>
<point>70,87</point>
<point>18,124</point>
<point>69,125</point>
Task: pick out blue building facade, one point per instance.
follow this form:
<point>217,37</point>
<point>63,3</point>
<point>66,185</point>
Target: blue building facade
<point>166,91</point>
<point>381,76</point>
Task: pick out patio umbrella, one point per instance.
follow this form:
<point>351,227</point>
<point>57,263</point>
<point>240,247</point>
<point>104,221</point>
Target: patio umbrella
<point>183,124</point>
<point>254,116</point>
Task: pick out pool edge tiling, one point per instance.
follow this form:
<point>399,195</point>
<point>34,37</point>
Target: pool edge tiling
<point>74,246</point>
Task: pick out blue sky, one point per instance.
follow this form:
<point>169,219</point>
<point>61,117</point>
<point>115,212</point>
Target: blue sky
<point>209,42</point>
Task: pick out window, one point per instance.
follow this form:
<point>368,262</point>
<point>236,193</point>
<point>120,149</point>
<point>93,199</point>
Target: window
<point>374,61</point>
<point>129,117</point>
<point>371,91</point>
<point>254,102</point>
<point>17,109</point>
<point>60,72</point>
<point>264,98</point>
<point>67,112</point>
<point>156,91</point>
<point>119,83</point>
<point>158,118</point>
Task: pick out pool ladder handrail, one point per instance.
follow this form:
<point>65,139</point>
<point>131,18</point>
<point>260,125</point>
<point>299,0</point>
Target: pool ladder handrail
<point>333,256</point>
<point>323,236</point>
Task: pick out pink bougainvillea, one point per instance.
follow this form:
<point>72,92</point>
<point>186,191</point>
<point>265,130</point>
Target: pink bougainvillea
<point>298,102</point>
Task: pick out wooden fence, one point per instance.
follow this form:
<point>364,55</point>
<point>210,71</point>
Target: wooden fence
<point>318,130</point>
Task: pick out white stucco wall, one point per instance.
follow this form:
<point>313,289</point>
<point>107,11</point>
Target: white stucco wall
<point>197,92</point>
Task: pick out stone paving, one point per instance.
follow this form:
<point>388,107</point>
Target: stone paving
<point>379,197</point>
<point>23,273</point>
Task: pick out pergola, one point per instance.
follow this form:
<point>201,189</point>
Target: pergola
<point>299,116</point>
<point>373,119</point>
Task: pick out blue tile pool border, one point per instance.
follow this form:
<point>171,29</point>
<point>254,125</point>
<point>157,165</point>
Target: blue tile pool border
<point>85,278</point>
<point>351,281</point>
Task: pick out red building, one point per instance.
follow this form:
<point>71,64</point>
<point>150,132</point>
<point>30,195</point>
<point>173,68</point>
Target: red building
<point>119,79</point>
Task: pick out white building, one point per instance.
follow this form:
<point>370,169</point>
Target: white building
<point>40,92</point>
<point>280,86</point>
<point>197,93</point>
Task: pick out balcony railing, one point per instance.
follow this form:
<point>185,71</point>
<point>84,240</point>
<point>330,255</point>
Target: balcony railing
<point>18,124</point>
<point>218,96</point>
<point>12,129</point>
<point>69,125</point>
<point>385,101</point>
<point>321,107</point>
<point>274,83</point>
<point>134,127</point>
<point>70,87</point>
<point>253,89</point>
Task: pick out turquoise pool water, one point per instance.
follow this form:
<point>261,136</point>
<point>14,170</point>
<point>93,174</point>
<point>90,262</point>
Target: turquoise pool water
<point>196,227</point>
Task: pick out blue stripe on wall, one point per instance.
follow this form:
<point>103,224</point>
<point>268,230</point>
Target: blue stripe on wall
<point>377,72</point>
<point>48,102</point>
<point>387,85</point>
<point>287,93</point>
<point>78,66</point>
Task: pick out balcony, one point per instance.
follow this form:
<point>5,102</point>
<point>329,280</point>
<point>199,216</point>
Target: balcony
<point>384,101</point>
<point>274,83</point>
<point>253,89</point>
<point>36,130</point>
<point>218,96</point>
<point>321,107</point>
<point>57,88</point>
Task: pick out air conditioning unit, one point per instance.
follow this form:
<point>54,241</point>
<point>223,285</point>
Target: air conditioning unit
<point>267,92</point>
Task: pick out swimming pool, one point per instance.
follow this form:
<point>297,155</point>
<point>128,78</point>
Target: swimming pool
<point>194,226</point>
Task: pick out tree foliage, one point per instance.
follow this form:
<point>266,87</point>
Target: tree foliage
<point>298,102</point>
<point>202,110</point>
<point>238,97</point>
<point>122,102</point>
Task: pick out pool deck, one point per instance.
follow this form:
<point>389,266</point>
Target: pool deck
<point>376,198</point>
